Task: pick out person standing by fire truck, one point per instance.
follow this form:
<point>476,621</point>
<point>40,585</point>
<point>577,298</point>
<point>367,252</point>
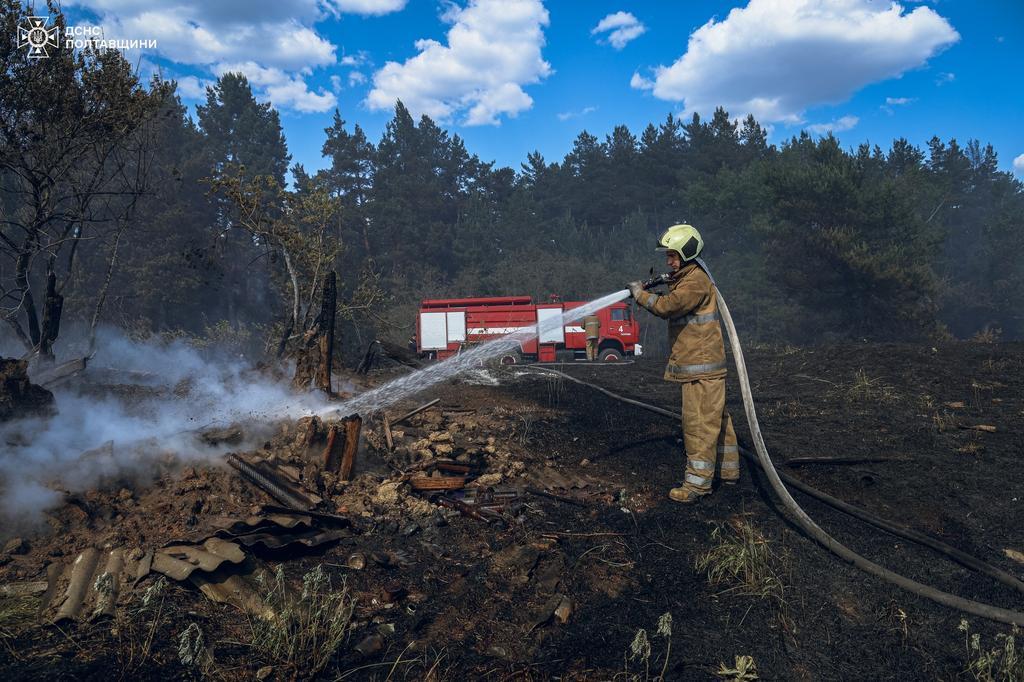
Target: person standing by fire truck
<point>592,326</point>
<point>697,361</point>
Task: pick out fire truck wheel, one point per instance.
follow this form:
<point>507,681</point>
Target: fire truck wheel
<point>511,359</point>
<point>610,355</point>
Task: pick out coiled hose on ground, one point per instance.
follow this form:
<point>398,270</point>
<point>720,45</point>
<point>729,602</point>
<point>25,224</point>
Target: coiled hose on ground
<point>816,532</point>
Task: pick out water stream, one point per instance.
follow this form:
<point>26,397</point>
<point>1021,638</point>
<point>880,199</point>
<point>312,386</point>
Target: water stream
<point>405,386</point>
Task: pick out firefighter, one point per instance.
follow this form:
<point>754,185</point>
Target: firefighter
<point>697,361</point>
<point>592,325</point>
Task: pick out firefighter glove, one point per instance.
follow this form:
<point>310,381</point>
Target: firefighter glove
<point>635,288</point>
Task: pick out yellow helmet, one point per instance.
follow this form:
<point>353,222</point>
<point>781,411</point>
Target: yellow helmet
<point>683,239</point>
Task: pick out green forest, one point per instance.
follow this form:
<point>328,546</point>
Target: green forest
<point>120,207</point>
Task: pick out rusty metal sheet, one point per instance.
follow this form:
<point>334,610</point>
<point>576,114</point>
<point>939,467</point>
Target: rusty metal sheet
<point>80,578</point>
<point>276,531</point>
<point>53,574</point>
<point>276,540</point>
<point>273,531</point>
<point>88,587</point>
<point>91,585</point>
<point>180,561</point>
<point>108,584</point>
<point>227,586</point>
<point>251,523</point>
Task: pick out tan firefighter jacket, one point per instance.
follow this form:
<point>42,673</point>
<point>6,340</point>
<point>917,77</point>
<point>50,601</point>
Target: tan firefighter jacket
<point>694,334</point>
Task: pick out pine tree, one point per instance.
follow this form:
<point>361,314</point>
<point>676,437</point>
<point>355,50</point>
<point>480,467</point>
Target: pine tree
<point>242,138</point>
<point>242,132</point>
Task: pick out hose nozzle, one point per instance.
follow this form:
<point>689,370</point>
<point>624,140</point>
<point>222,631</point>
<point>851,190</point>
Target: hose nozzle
<point>656,280</point>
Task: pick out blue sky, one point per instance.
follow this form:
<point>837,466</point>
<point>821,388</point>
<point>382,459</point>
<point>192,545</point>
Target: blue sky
<point>513,76</point>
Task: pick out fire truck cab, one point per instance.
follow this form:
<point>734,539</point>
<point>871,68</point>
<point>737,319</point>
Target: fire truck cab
<point>445,326</point>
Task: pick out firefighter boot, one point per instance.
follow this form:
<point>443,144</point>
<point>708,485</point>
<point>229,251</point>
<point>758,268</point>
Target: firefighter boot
<point>685,495</point>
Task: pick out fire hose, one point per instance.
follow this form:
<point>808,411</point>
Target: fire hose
<point>775,479</point>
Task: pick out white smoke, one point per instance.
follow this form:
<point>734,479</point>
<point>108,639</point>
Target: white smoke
<point>137,408</point>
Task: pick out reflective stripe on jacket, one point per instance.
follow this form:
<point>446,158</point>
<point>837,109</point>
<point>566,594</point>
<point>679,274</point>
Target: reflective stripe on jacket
<point>694,334</point>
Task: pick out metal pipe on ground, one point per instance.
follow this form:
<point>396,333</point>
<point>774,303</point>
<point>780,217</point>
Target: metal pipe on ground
<point>261,480</point>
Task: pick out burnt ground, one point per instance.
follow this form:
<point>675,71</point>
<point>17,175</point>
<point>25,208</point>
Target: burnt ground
<point>476,600</point>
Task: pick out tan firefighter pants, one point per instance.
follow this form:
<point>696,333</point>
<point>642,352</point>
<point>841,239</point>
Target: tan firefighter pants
<point>592,349</point>
<point>708,435</point>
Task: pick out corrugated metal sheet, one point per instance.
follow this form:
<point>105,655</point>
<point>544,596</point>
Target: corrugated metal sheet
<point>277,531</point>
<point>179,561</point>
<point>88,587</point>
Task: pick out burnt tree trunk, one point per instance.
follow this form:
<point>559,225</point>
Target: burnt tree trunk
<point>306,359</point>
<point>316,353</point>
<point>53,306</point>
<point>325,323</point>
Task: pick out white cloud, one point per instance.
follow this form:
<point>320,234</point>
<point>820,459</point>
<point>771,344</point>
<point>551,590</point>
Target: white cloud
<point>270,35</point>
<point>1018,164</point>
<point>776,58</point>
<point>279,35</point>
<point>493,49</point>
<point>566,115</point>
<point>193,88</point>
<point>843,123</point>
<point>621,27</point>
<point>356,78</point>
<point>282,89</point>
<point>891,102</point>
<point>640,83</point>
<point>945,77</point>
<point>357,59</point>
<point>367,7</point>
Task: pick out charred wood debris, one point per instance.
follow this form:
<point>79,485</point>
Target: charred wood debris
<point>315,485</point>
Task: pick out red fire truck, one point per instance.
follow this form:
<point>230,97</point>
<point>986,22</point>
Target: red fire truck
<point>444,326</point>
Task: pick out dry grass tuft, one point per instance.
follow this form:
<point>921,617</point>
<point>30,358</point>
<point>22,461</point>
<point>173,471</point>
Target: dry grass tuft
<point>305,632</point>
<point>867,389</point>
<point>944,421</point>
<point>742,559</point>
<point>989,334</point>
<point>17,614</point>
<point>1001,663</point>
<point>641,652</point>
<point>973,448</point>
<point>743,670</point>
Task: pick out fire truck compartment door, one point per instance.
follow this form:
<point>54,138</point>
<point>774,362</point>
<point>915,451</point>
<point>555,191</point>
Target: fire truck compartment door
<point>433,331</point>
<point>551,331</point>
<point>456,327</point>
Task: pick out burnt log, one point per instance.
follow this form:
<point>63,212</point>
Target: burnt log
<point>19,397</point>
<point>342,445</point>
